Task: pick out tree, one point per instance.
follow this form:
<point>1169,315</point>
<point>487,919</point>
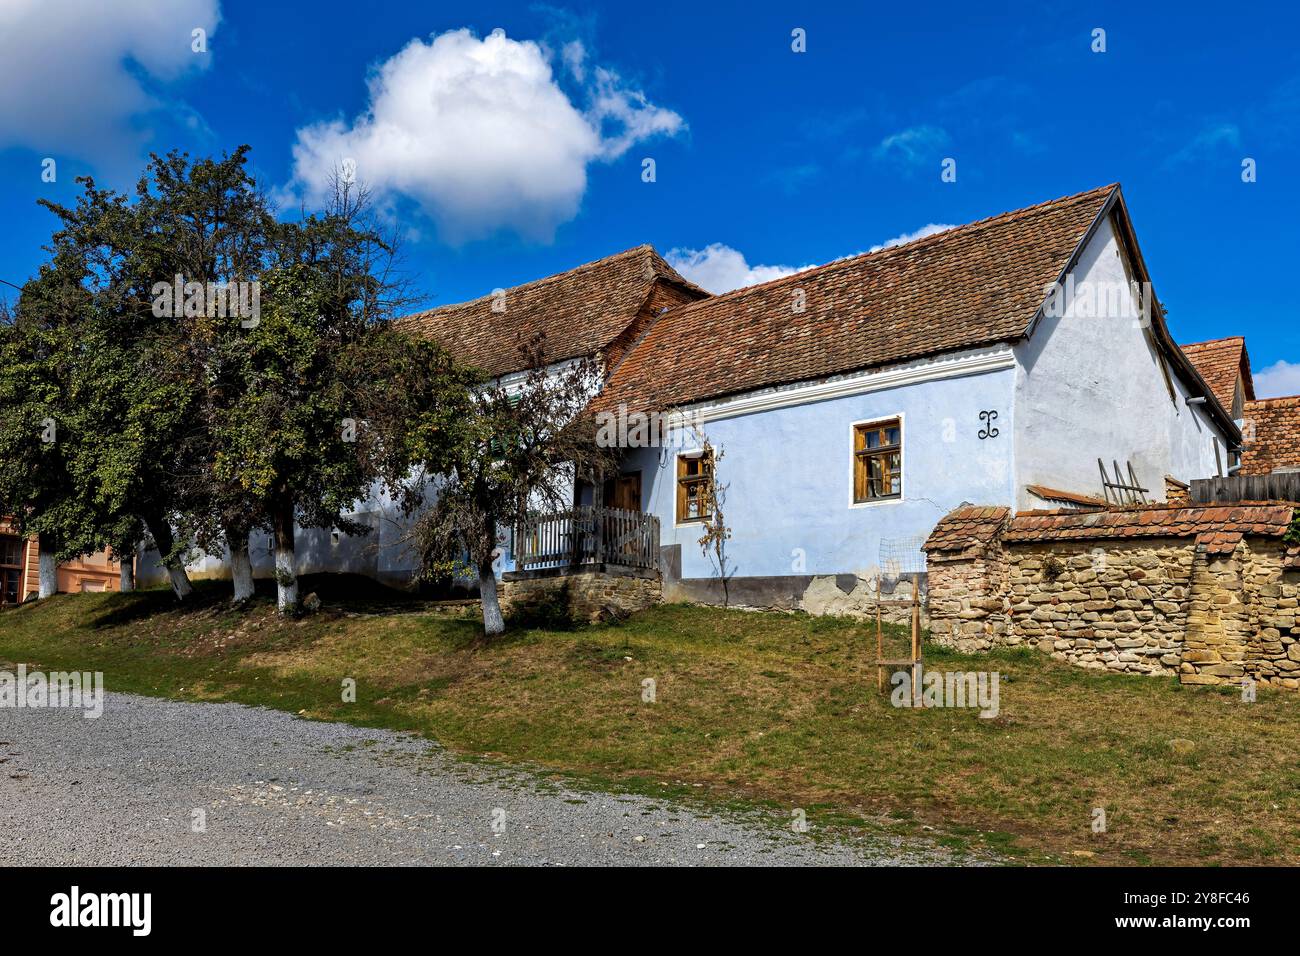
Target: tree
<point>37,487</point>
<point>518,449</point>
<point>321,393</point>
<point>213,371</point>
<point>137,381</point>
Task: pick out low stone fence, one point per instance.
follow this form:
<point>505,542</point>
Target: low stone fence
<point>593,592</point>
<point>1209,594</point>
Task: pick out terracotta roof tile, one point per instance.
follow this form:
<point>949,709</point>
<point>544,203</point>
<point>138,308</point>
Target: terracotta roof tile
<point>581,311</point>
<point>1221,362</point>
<point>974,285</point>
<point>967,527</point>
<point>1218,528</point>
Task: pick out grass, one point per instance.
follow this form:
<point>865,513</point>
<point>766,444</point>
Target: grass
<point>752,710</point>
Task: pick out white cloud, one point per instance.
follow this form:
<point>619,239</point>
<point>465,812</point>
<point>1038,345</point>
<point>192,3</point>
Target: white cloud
<point>915,145</point>
<point>720,268</point>
<point>479,133</point>
<point>927,230</point>
<point>1280,379</point>
<point>574,56</point>
<point>75,74</point>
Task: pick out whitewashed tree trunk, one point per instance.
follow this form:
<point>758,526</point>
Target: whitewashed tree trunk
<point>161,533</point>
<point>286,566</point>
<point>181,586</point>
<point>487,591</point>
<point>126,573</point>
<point>241,565</point>
<point>49,568</point>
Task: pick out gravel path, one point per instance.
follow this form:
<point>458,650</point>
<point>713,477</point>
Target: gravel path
<point>279,790</point>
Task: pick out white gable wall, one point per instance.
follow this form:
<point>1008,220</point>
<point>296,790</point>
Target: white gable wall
<point>1089,385</point>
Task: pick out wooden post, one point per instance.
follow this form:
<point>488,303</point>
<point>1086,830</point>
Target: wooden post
<point>916,643</point>
<point>880,647</point>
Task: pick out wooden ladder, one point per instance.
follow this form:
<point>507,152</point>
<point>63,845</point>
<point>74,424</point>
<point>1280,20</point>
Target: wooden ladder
<point>913,663</point>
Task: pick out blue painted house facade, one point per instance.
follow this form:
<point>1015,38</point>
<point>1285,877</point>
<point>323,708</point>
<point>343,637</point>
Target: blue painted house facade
<point>1022,360</point>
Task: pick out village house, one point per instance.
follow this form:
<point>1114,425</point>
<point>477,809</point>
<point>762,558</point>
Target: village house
<point>20,569</point>
<point>1021,361</point>
<point>857,403</point>
<point>598,310</point>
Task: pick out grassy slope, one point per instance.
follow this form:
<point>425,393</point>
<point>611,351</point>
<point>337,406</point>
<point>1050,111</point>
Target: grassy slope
<point>758,709</point>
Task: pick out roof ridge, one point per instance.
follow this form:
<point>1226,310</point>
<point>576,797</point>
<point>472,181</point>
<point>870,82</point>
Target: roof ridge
<point>1273,398</point>
<point>1226,338</point>
<point>643,248</point>
<point>891,251</point>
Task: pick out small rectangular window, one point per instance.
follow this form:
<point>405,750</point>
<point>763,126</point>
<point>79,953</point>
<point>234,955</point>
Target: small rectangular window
<point>877,461</point>
<point>12,553</point>
<point>694,473</point>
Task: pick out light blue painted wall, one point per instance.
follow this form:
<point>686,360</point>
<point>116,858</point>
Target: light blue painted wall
<point>789,477</point>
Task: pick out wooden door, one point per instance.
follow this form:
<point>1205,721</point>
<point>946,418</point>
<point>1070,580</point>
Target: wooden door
<point>624,492</point>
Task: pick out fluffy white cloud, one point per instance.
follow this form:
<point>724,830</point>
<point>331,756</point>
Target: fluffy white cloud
<point>75,73</point>
<point>1280,379</point>
<point>480,134</point>
<point>929,229</point>
<point>720,268</point>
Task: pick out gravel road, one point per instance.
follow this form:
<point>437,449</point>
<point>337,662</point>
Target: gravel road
<point>276,789</point>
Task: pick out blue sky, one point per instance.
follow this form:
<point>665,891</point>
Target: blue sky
<point>511,156</point>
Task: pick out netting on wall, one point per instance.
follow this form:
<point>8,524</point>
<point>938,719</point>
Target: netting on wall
<point>899,556</point>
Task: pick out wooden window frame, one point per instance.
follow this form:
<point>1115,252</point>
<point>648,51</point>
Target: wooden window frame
<point>858,459</point>
<point>681,481</point>
<point>20,569</point>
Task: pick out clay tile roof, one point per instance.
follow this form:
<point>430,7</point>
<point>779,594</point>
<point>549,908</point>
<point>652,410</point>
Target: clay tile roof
<point>1220,362</point>
<point>967,527</point>
<point>1218,528</point>
<point>1275,442</point>
<point>581,311</point>
<point>974,285</point>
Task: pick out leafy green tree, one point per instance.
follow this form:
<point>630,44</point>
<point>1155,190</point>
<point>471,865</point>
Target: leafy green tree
<point>37,484</point>
<point>324,396</point>
<point>517,450</point>
<point>212,371</point>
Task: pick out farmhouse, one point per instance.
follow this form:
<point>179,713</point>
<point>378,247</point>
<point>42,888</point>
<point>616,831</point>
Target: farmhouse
<point>1019,362</point>
<point>858,403</point>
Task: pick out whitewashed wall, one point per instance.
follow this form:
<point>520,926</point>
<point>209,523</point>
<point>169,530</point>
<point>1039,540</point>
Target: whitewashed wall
<point>1090,386</point>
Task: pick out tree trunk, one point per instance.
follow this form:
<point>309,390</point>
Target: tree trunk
<point>161,532</point>
<point>487,592</point>
<point>286,567</point>
<point>126,572</point>
<point>241,565</point>
<point>49,567</point>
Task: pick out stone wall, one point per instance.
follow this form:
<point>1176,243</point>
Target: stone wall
<point>967,605</point>
<point>1118,608</point>
<point>1242,618</point>
<point>602,592</point>
<point>1149,606</point>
